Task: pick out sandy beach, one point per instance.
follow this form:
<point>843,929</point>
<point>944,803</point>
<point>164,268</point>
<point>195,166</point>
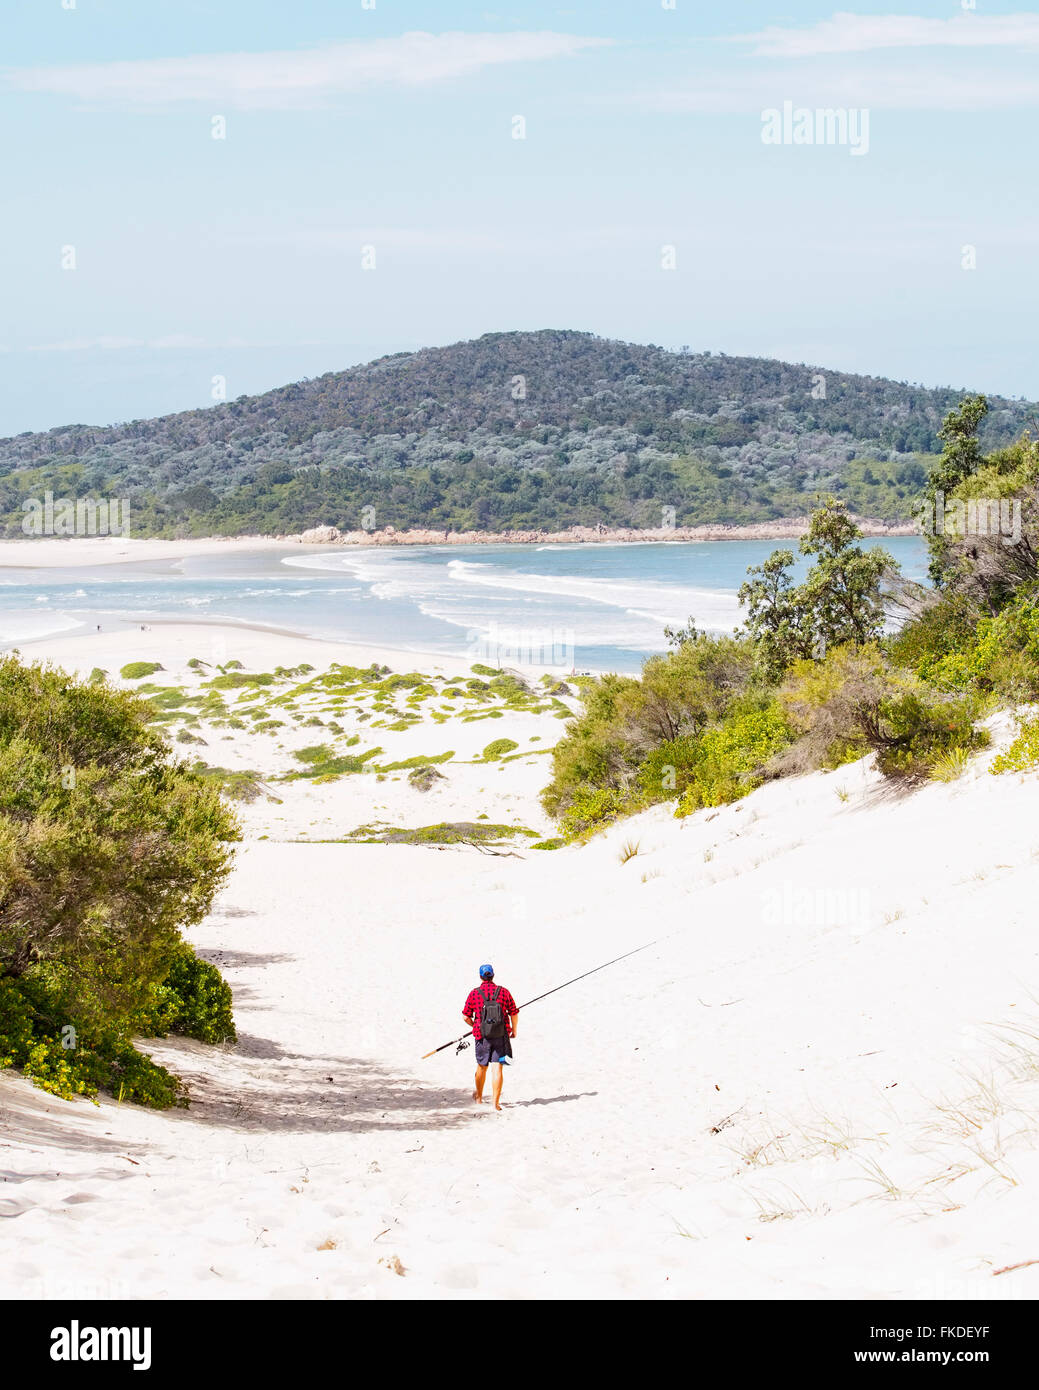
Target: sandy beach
<point>76,551</point>
<point>818,1082</point>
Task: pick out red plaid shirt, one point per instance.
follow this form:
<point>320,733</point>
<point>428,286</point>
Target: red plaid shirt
<point>474,1004</point>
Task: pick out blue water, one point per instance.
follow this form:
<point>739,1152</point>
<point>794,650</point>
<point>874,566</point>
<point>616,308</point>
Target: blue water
<point>593,607</point>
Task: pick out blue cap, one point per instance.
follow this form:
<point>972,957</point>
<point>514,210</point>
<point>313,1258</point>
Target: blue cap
<point>486,971</point>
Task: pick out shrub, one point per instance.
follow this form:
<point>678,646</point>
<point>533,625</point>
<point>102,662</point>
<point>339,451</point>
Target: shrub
<point>591,809</point>
<point>632,732</point>
<point>498,749</point>
<point>916,729</point>
<point>234,680</point>
<point>240,785</point>
<point>137,670</point>
<point>107,848</point>
<point>955,648</point>
<point>833,705</point>
<point>193,1000</point>
<point>933,645</point>
<point>444,833</point>
<point>1023,753</point>
<point>422,778</point>
<point>334,766</point>
<point>511,689</point>
<point>1005,658</point>
<point>853,703</point>
<point>315,753</point>
<point>731,756</point>
<point>669,769</point>
<point>419,761</point>
<point>68,1062</point>
<point>594,750</point>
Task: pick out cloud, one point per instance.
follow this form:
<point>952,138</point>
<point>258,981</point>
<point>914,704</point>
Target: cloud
<point>877,89</point>
<point>855,33</point>
<point>302,79</point>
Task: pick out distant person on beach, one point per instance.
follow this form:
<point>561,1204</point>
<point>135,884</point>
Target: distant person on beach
<point>491,1012</point>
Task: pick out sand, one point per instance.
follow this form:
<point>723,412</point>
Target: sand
<point>809,1087</point>
<point>68,552</point>
<point>77,551</point>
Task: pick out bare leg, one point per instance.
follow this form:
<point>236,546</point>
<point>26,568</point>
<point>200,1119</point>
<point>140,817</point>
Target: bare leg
<point>498,1078</point>
<point>481,1077</point>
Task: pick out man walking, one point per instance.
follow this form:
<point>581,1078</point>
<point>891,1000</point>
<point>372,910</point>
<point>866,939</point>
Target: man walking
<point>491,1012</point>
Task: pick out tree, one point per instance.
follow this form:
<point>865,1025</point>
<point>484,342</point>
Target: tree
<point>777,617</point>
<point>677,636</point>
<point>843,588</point>
<point>961,456</point>
<point>840,600</point>
<point>961,451</point>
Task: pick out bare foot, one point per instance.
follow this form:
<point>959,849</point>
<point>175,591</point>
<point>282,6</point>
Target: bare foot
<point>497,1105</point>
<point>477,1097</point>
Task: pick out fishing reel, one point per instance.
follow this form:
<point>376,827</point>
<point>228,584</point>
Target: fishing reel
<point>462,1045</point>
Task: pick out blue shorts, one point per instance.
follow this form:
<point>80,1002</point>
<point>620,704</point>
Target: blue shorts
<point>490,1050</point>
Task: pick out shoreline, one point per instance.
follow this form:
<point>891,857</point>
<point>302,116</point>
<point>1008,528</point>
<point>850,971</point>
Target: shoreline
<point>783,528</point>
<point>75,551</point>
<point>218,639</point>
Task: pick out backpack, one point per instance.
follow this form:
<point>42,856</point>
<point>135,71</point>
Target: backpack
<point>492,1017</point>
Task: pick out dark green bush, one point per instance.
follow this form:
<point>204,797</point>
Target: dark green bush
<point>108,848</point>
<point>66,1061</point>
<point>916,729</point>
<point>193,1000</point>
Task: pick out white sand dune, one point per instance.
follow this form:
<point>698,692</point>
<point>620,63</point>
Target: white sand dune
<point>805,1088</point>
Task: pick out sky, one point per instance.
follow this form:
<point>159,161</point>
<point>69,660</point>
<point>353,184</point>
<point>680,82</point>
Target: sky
<point>397,175</point>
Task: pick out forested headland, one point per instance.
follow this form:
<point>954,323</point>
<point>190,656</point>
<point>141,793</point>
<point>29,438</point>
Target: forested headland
<point>512,431</point>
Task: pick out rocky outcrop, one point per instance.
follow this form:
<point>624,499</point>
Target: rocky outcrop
<point>320,535</point>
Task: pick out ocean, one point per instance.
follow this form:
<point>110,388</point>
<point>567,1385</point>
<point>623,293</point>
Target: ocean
<point>576,607</point>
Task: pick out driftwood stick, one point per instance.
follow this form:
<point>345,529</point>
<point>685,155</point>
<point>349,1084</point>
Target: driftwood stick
<point>724,1123</point>
<point>1022,1264</point>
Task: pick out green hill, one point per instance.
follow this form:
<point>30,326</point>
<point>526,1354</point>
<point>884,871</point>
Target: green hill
<point>512,430</point>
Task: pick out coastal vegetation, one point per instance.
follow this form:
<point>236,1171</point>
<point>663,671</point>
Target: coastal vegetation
<point>512,431</point>
<point>813,679</point>
<point>109,848</point>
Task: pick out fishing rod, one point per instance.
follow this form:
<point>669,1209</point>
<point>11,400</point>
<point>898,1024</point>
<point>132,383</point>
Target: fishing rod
<point>461,1042</point>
